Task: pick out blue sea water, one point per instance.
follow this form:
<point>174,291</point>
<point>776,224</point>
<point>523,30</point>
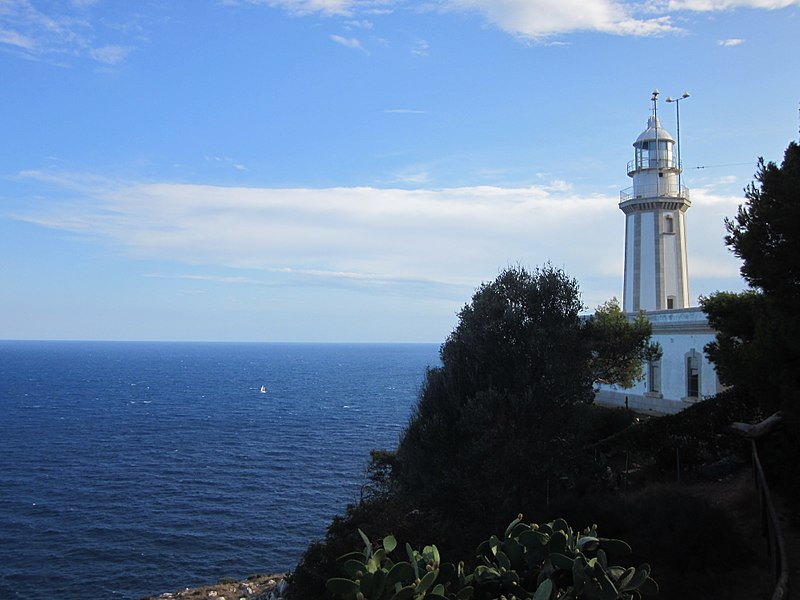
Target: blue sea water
<point>129,469</point>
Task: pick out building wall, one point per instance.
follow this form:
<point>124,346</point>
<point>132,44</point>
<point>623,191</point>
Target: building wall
<point>649,279</point>
<point>642,271</point>
<point>684,250</point>
<point>680,333</point>
<point>671,262</point>
<point>630,267</point>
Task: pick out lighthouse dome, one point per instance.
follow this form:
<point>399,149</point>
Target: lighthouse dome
<point>654,131</point>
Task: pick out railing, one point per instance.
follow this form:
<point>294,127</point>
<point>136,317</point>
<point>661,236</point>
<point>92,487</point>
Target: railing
<point>663,190</point>
<point>771,529</point>
<point>650,163</point>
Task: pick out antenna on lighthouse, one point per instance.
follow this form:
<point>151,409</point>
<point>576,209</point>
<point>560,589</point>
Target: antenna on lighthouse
<point>654,100</point>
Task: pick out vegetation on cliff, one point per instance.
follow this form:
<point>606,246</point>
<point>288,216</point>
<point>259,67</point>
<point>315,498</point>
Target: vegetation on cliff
<point>505,425</point>
<point>526,562</point>
<point>501,427</point>
<point>757,347</point>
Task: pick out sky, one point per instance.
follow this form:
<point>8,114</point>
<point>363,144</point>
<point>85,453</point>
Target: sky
<point>352,170</point>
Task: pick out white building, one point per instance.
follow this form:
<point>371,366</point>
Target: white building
<point>656,279</point>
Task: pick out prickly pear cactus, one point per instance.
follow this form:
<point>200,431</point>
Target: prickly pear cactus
<point>373,575</point>
<point>530,562</point>
<point>553,561</point>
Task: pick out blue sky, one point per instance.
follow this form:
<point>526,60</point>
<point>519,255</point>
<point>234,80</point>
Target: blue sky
<point>351,170</point>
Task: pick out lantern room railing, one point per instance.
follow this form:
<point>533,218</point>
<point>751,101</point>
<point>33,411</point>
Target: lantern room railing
<point>650,163</point>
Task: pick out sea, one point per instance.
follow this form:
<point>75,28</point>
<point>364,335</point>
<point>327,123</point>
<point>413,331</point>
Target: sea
<point>135,468</point>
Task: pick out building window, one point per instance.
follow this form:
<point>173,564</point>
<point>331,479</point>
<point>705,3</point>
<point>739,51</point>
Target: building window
<point>669,225</point>
<point>670,302</point>
<point>692,374</point>
<point>654,376</point>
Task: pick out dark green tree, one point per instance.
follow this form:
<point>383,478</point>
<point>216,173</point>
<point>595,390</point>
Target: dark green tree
<point>765,233</point>
<point>757,346</point>
<point>619,346</point>
<point>496,425</point>
<point>499,428</point>
<point>514,335</point>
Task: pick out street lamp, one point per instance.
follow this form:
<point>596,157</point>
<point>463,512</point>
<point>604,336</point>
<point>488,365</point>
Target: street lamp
<point>678,122</point>
<point>654,100</point>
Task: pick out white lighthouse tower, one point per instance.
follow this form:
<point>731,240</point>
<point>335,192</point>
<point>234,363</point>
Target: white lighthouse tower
<point>656,270</point>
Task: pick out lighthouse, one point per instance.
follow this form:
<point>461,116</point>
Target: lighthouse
<point>656,279</point>
<point>656,271</point>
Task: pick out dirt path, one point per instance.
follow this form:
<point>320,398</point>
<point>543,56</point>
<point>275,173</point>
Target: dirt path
<point>737,496</point>
<point>789,518</point>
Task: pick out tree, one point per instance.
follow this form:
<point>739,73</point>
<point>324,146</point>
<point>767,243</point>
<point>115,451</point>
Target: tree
<point>765,233</point>
<point>499,427</point>
<point>495,425</point>
<point>520,331</point>
<point>757,346</point>
<point>619,346</point>
<point>735,352</point>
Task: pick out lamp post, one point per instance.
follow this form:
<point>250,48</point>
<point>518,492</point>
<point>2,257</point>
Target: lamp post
<point>678,122</point>
<point>654,100</point>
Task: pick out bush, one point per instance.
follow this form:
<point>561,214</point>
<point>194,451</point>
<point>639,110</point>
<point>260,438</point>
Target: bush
<point>701,434</point>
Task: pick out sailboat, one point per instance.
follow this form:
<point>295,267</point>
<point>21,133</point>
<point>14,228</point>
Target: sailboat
<point>263,389</point>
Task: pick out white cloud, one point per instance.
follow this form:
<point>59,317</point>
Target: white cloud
<point>58,31</point>
<point>347,42</point>
<point>420,48</point>
<point>376,233</point>
<point>539,19</point>
<point>731,42</point>
<point>226,161</point>
<point>362,24</point>
<point>720,5</point>
<point>110,55</point>
<point>442,239</point>
<point>205,277</point>
<point>536,19</point>
<point>413,175</point>
<point>14,38</point>
<point>305,7</point>
<point>404,111</point>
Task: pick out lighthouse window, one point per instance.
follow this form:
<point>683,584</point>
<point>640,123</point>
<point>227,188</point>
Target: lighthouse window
<point>654,376</point>
<point>669,225</point>
<point>642,160</point>
<point>692,374</point>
